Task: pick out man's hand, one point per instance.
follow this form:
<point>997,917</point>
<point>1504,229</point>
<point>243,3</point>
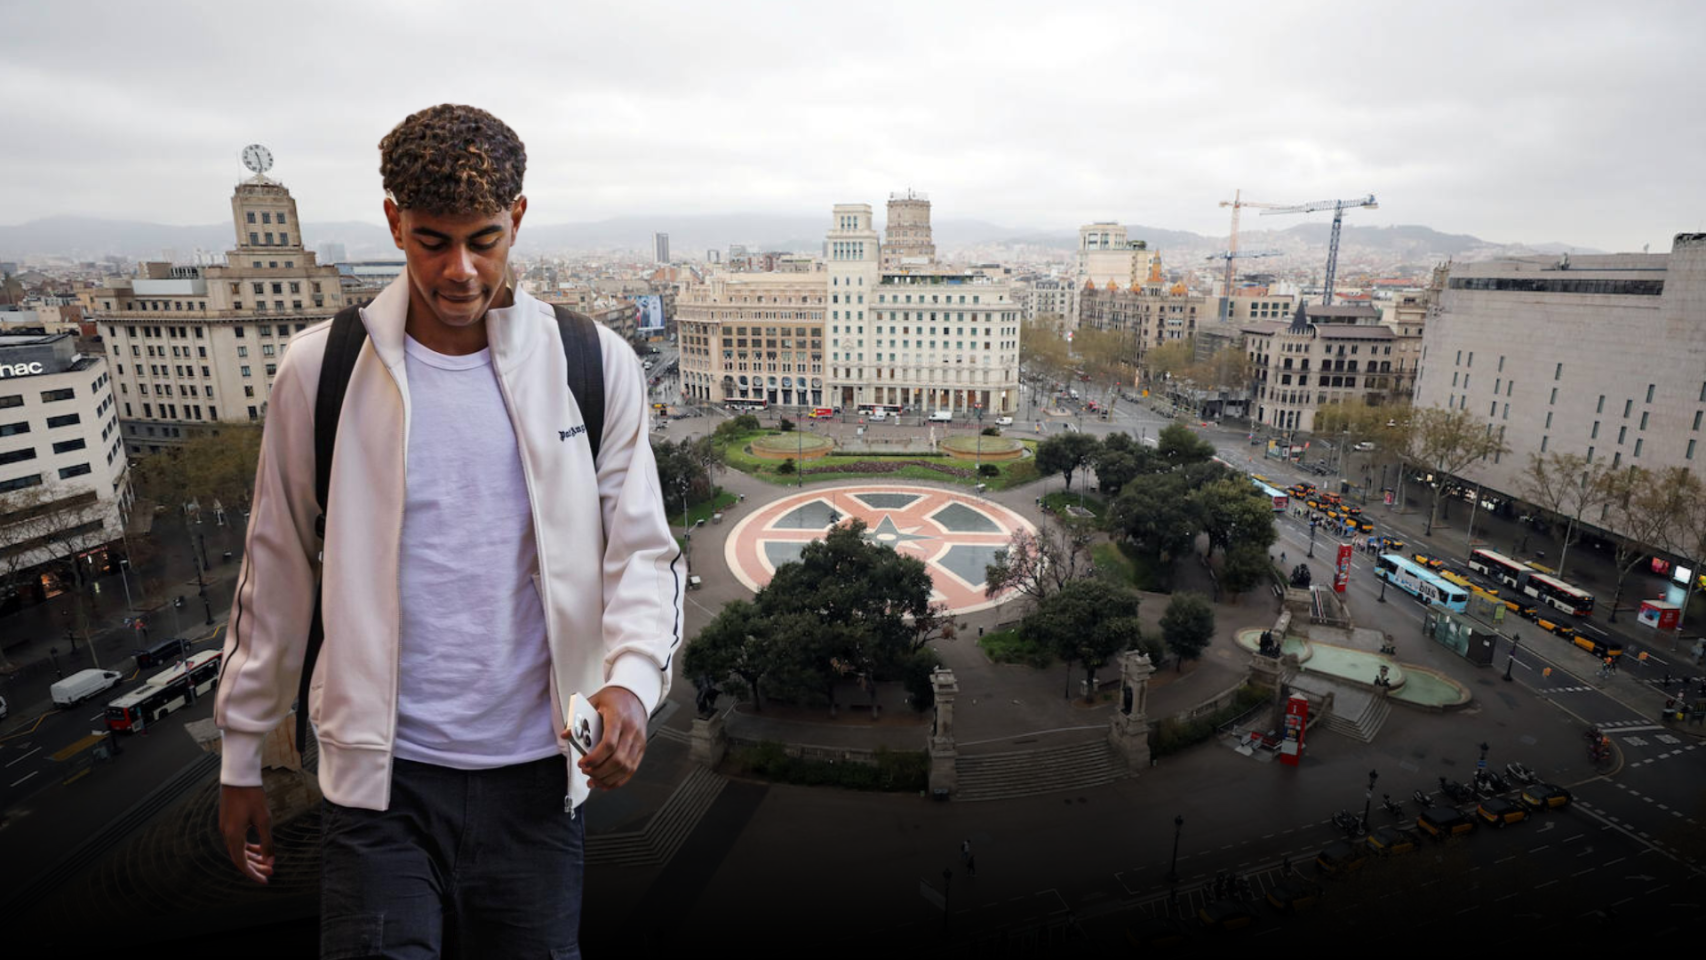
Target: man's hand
<point>239,809</point>
<point>617,756</point>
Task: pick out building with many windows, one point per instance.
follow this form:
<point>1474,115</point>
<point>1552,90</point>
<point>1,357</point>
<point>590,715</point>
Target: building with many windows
<point>191,346</point>
<point>907,240</point>
<point>1106,255</point>
<point>852,335</point>
<point>1603,356</point>
<point>1325,354</point>
<point>753,337</point>
<point>64,484</point>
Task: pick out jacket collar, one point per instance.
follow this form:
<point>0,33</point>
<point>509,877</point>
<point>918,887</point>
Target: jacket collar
<point>511,332</point>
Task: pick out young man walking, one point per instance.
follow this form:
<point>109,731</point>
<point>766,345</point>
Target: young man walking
<point>479,567</point>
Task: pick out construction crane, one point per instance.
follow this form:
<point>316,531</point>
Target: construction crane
<point>1338,207</point>
<point>1229,256</point>
<point>1236,203</point>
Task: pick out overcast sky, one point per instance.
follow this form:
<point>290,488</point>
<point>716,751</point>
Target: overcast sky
<point>1557,121</point>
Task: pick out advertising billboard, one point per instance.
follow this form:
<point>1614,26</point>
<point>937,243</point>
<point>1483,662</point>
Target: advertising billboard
<point>648,313</point>
<point>1342,572</point>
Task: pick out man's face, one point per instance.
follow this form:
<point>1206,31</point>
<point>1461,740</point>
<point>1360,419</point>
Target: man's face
<point>456,263</point>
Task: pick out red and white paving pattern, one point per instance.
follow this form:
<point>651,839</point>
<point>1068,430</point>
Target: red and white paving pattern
<point>955,534</point>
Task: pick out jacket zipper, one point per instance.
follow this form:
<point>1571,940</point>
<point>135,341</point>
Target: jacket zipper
<point>538,544</point>
<point>397,625</point>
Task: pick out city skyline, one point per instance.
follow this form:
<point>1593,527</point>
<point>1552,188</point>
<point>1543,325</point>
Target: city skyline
<point>1090,113</point>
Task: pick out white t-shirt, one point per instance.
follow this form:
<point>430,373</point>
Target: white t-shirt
<point>474,665</point>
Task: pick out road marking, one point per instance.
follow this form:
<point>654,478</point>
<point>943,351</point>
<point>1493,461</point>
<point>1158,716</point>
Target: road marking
<point>1507,860</point>
<point>1539,848</point>
<point>26,777</point>
<point>1583,873</point>
<point>1545,885</point>
<point>26,756</point>
<point>1618,860</point>
<point>1576,837</point>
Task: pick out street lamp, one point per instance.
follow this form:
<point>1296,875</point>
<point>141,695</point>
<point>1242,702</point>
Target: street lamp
<point>1178,827</point>
<point>1377,576</point>
<point>1312,522</point>
<point>1511,660</point>
<point>1368,798</point>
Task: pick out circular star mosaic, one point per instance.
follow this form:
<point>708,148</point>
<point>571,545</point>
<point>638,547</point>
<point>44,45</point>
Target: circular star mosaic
<point>955,534</point>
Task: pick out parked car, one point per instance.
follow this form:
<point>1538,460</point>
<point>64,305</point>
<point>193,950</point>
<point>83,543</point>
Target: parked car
<point>1392,841</point>
<point>166,651</point>
<point>1342,857</point>
<point>1499,812</point>
<point>1004,421</point>
<point>1544,796</point>
<point>1291,896</point>
<point>1443,822</point>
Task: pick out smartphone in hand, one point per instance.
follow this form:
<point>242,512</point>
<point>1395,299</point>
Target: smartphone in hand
<point>585,726</point>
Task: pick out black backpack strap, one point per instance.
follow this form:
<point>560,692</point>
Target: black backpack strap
<point>585,358</point>
<point>343,346</point>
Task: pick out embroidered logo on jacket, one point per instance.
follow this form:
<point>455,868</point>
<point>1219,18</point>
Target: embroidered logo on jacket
<point>573,431</point>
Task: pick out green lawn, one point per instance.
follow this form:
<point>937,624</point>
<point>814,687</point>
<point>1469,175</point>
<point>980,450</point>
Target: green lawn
<point>1059,500</point>
<point>702,511</point>
<point>1119,563</point>
<point>1009,646</point>
<point>1012,473</point>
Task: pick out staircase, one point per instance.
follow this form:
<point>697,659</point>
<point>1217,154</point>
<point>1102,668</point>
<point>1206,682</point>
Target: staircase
<point>1357,713</point>
<point>1003,776</point>
<point>655,843</point>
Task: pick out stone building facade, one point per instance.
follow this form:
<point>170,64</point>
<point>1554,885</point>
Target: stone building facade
<point>1325,354</point>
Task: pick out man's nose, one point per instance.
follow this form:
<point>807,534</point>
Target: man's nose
<point>461,268</point>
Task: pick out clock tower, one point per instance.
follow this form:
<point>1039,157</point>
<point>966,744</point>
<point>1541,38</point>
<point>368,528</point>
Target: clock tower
<point>263,211</point>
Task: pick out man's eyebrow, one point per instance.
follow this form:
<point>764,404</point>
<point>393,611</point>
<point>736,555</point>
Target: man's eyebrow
<point>436,235</point>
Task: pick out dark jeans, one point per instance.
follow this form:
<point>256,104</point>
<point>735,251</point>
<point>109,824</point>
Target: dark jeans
<point>475,863</point>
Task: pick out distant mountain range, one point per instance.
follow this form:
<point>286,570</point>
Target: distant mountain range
<point>87,238</point>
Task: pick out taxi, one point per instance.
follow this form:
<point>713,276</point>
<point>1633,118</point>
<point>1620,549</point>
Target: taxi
<point>1342,857</point>
<point>1290,896</point>
<point>1441,823</point>
<point>1499,812</point>
<point>1226,915</point>
<point>1392,841</point>
<point>1544,796</point>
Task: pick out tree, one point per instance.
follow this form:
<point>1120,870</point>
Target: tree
<point>1231,512</point>
<point>1043,350</point>
<point>1243,568</point>
<point>1065,453</point>
<point>1119,460</point>
<point>1038,565</point>
<point>735,427</point>
<point>46,524</point>
<point>865,607</point>
<point>1088,621</point>
<point>1230,368</point>
<point>1169,360</point>
<point>1684,504</point>
<point>740,641</point>
<point>1639,510</point>
<point>684,470</point>
<point>1177,445</point>
<point>217,466</point>
<point>1157,515</point>
<point>1187,626</point>
<point>1106,354</point>
<point>1446,442</point>
<point>1564,485</point>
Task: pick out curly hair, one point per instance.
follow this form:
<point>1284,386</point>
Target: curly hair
<point>452,160</point>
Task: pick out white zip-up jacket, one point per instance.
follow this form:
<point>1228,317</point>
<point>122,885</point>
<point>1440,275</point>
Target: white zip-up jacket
<point>608,571</point>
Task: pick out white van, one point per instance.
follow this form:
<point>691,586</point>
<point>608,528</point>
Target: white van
<point>942,416</point>
<point>81,686</point>
<point>879,415</point>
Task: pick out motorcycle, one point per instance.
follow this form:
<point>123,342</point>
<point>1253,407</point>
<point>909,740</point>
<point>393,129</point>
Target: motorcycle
<point>1599,752</point>
<point>1394,807</point>
<point>1347,822</point>
<point>1521,774</point>
<point>1592,735</point>
<point>1494,782</point>
<point>1423,800</point>
<point>1456,791</point>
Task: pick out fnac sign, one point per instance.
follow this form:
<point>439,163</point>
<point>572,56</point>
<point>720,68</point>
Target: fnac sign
<point>20,369</point>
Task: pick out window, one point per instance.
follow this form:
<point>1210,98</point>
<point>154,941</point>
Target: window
<point>1497,383</point>
<point>281,216</point>
<point>237,332</point>
<point>66,473</point>
<point>266,216</point>
<point>1543,440</point>
<point>1622,432</point>
<point>54,396</point>
<point>251,216</point>
<point>1616,460</point>
<point>269,239</point>
<point>13,429</point>
<point>1697,419</point>
<point>242,351</point>
<point>254,238</point>
<point>1638,442</point>
<point>1507,413</point>
<point>17,400</point>
<point>1471,361</point>
<point>1548,419</point>
<point>1590,454</point>
<point>1601,407</point>
<point>1643,419</point>
<point>66,446</point>
<point>1494,411</point>
<point>245,369</point>
<point>19,483</point>
<point>1501,363</point>
<point>1690,454</point>
<point>1650,392</point>
<point>17,456</point>
<point>67,420</point>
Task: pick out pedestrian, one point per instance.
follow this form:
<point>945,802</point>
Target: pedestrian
<point>1282,559</point>
<point>965,851</point>
<point>493,542</point>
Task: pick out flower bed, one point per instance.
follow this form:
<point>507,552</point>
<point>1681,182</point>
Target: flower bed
<point>889,466</point>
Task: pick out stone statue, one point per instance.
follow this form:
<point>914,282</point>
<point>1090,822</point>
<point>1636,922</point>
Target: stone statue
<point>706,700</point>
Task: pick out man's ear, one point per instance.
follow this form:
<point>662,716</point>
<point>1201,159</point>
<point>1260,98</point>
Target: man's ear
<point>516,211</point>
<point>394,218</point>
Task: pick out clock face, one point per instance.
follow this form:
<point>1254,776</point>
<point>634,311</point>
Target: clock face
<point>257,158</point>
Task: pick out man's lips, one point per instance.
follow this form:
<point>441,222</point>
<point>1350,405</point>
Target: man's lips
<point>464,298</point>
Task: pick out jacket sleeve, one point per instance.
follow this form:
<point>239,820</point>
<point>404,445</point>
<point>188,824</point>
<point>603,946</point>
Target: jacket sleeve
<point>644,574</point>
<point>267,632</point>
